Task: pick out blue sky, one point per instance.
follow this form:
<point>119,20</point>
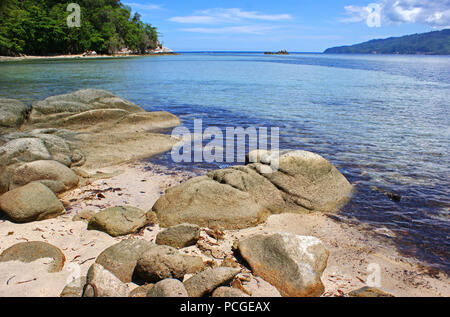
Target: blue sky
<point>295,25</point>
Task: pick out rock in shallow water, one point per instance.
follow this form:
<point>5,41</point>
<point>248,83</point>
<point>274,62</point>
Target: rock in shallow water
<point>118,221</point>
<point>180,236</point>
<point>293,264</point>
<point>31,251</point>
<point>307,181</point>
<point>31,202</point>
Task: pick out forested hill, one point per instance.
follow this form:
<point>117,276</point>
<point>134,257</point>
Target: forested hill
<point>39,27</point>
<point>432,43</point>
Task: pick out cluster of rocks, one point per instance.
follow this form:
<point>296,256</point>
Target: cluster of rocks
<point>42,147</point>
<point>293,264</point>
<point>244,196</point>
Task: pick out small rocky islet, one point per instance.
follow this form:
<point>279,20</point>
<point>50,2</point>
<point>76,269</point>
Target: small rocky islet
<point>46,150</point>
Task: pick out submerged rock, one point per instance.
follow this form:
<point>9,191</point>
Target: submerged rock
<point>205,282</point>
<point>293,264</point>
<point>31,251</point>
<point>121,258</point>
<point>31,202</point>
<point>118,221</point>
<point>180,236</point>
<point>168,288</point>
<point>162,262</point>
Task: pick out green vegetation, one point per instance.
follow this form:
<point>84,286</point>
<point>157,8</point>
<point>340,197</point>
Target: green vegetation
<point>39,27</point>
<point>432,43</point>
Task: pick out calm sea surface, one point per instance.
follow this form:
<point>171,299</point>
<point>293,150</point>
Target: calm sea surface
<point>384,121</point>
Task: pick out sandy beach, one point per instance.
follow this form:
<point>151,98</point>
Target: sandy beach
<point>352,248</point>
<point>77,56</point>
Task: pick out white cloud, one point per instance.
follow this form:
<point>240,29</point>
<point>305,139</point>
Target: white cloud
<point>212,16</point>
<point>143,7</point>
<point>251,29</point>
<point>435,13</point>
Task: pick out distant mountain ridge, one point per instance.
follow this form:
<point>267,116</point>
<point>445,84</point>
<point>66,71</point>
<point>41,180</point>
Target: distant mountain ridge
<point>431,43</point>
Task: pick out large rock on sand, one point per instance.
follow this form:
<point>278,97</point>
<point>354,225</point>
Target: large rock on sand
<point>53,174</point>
<point>162,262</point>
<point>12,113</point>
<point>31,251</point>
<point>31,202</point>
<point>121,258</point>
<point>102,283</point>
<point>208,203</point>
<point>225,291</point>
<point>293,264</point>
<point>243,196</point>
<point>168,288</point>
<point>180,236</point>
<point>74,288</point>
<point>118,221</point>
<point>205,282</point>
<point>367,291</point>
<point>22,148</point>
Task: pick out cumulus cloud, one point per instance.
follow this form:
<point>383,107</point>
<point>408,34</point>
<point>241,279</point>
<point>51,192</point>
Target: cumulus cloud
<point>212,16</point>
<point>435,13</point>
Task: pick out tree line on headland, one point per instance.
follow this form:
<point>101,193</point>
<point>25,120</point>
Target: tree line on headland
<point>39,27</point>
<point>431,43</point>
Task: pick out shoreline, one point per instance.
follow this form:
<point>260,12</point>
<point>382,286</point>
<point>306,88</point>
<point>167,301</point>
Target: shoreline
<point>352,247</point>
<point>94,160</point>
<point>79,56</point>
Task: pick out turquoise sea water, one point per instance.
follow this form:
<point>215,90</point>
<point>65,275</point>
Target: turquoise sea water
<point>382,120</point>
